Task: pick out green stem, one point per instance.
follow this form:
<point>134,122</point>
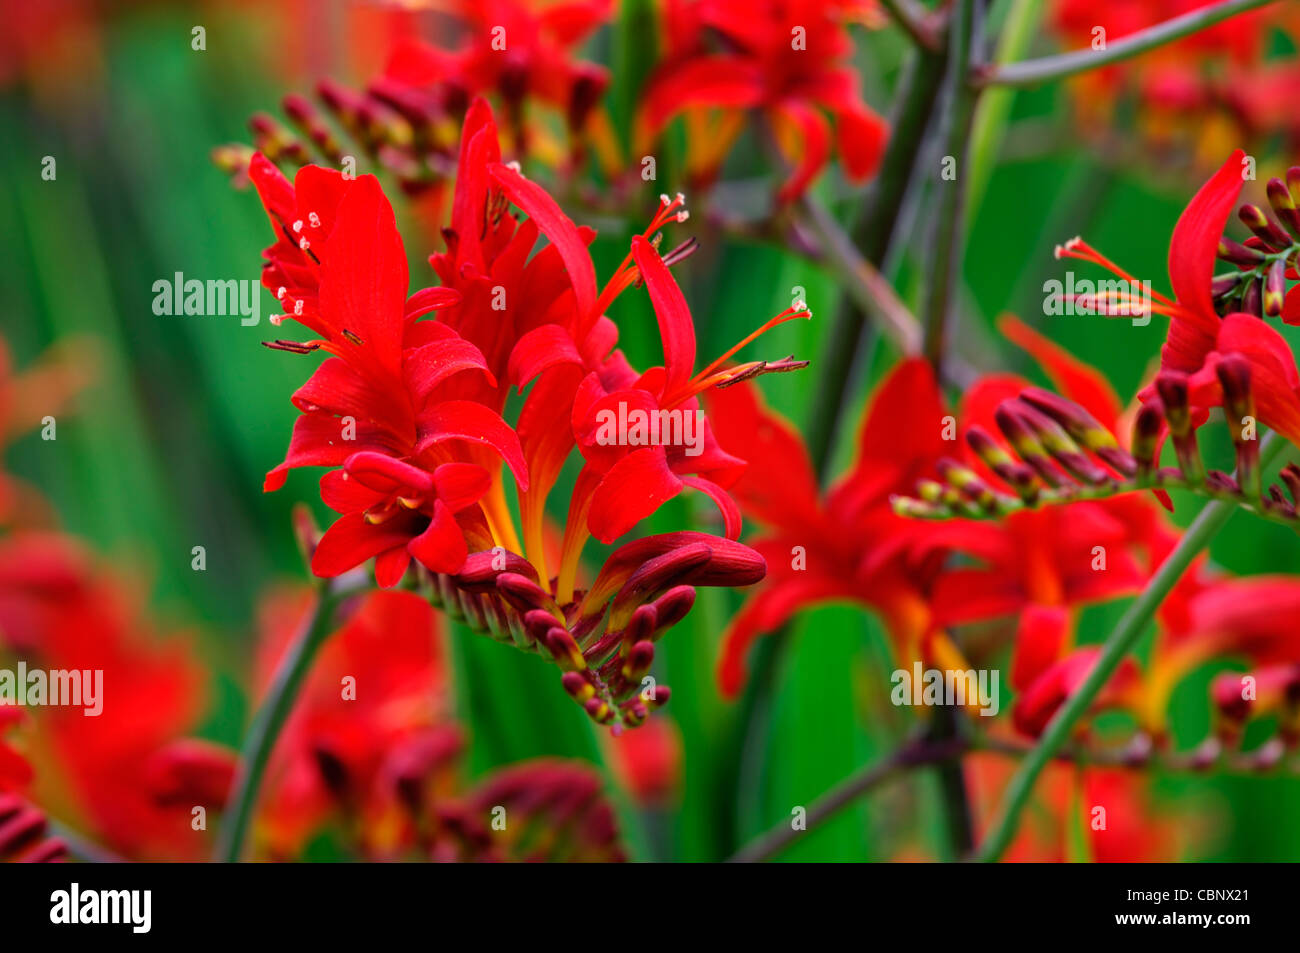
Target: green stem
<point>916,105</point>
<point>916,21</point>
<point>1049,68</point>
<point>917,102</point>
<point>1134,622</point>
<point>269,721</point>
<point>994,110</point>
<point>948,233</point>
<point>920,751</point>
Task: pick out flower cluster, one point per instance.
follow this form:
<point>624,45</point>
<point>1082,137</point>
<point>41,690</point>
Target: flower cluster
<point>1193,99</point>
<point>786,60</point>
<point>409,411</point>
<point>372,751</point>
<point>520,53</point>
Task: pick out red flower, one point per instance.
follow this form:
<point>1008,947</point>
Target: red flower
<point>58,610</point>
<point>1201,334</point>
<point>372,748</point>
<point>516,49</point>
<point>513,316</point>
<point>1194,97</point>
<point>788,58</point>
<point>540,320</point>
<point>411,459</point>
<point>1060,828</point>
<point>848,545</point>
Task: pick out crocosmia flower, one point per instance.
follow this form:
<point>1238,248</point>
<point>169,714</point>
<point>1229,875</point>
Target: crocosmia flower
<point>787,60</point>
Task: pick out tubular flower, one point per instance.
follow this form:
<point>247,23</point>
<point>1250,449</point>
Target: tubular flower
<point>414,484</point>
<point>1194,97</point>
<point>1206,618</point>
<point>517,51</point>
<point>60,611</point>
<point>1034,568</point>
<point>380,761</point>
<point>1215,319</point>
<point>787,58</point>
<point>375,407</point>
<point>1138,828</point>
<point>847,546</point>
<point>522,53</point>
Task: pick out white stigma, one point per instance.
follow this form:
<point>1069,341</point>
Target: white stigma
<point>297,226</point>
<point>314,219</point>
<point>304,244</point>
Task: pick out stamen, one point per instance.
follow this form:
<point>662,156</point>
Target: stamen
<point>294,347</point>
<point>1077,248</point>
<point>800,310</point>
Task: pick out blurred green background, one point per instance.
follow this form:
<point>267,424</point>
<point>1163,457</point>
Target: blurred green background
<point>170,446</point>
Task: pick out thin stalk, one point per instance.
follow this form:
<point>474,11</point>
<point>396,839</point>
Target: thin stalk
<point>916,21</point>
<point>918,99</point>
<point>916,106</point>
<point>1121,641</point>
<point>920,751</point>
<point>270,719</point>
<point>947,237</point>
<point>83,848</point>
<point>1048,68</point>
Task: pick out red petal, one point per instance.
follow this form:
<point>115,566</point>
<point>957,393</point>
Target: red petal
<point>387,474</point>
<point>557,227</point>
<point>342,494</point>
<point>538,350</point>
<point>430,299</point>
<point>427,366</point>
<point>812,138</point>
<point>780,487</point>
<point>364,275</point>
<point>352,540</point>
<point>1040,637</point>
<point>674,317</point>
<point>391,566</point>
<point>1195,241</point>
<point>861,137</point>
<point>441,547</point>
<point>461,484</point>
<point>730,511</point>
<point>476,423</point>
<point>634,488</point>
<point>720,80</point>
